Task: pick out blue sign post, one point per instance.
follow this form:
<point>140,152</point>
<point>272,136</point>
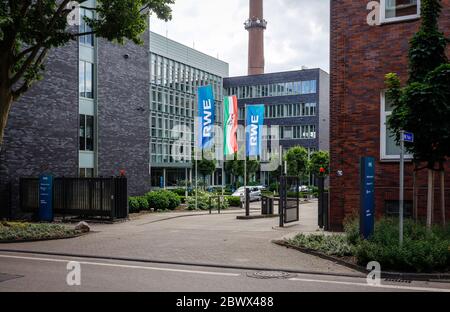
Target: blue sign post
<point>367,191</point>
<point>408,137</point>
<point>46,198</point>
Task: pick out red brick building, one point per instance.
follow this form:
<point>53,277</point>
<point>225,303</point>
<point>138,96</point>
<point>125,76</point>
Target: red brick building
<point>368,40</point>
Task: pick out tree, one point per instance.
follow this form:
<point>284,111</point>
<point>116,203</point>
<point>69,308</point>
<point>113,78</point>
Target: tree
<point>236,168</point>
<point>206,168</point>
<point>297,161</point>
<point>423,105</point>
<point>319,160</point>
<point>30,29</point>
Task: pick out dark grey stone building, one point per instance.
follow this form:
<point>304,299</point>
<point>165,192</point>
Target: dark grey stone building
<point>103,109</point>
<point>296,101</point>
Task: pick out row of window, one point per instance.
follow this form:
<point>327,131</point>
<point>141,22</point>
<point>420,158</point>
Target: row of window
<point>285,110</point>
<point>274,89</point>
<point>177,76</point>
<point>394,10</point>
<point>298,132</point>
<point>86,133</point>
<point>85,28</point>
<point>86,79</point>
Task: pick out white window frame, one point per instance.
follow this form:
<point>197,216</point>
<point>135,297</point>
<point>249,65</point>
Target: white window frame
<point>383,129</point>
<point>384,19</point>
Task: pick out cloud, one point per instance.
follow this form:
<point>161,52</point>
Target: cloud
<point>297,34</point>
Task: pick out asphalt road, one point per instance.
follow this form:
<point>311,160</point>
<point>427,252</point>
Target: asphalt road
<point>33,272</point>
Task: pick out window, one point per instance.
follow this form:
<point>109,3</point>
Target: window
<point>84,27</point>
<point>86,133</point>
<point>399,10</point>
<point>86,79</point>
<point>389,147</point>
<point>86,172</point>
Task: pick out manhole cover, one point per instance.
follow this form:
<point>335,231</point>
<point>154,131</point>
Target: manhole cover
<point>271,275</point>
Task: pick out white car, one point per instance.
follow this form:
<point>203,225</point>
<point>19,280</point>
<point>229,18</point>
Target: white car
<point>255,193</point>
<point>304,188</point>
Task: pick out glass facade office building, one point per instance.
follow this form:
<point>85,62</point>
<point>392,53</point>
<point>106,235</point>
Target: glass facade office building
<point>176,72</point>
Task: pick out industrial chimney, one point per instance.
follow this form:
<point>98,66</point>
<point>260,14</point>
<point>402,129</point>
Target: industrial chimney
<point>256,25</point>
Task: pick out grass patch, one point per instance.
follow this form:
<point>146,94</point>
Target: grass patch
<point>20,231</point>
<point>423,250</point>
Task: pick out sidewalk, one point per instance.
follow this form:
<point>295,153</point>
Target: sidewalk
<point>198,238</point>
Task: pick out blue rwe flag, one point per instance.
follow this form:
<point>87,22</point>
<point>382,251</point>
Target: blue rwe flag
<point>255,122</point>
<point>206,115</point>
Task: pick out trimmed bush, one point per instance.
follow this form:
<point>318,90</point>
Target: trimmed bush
<point>203,201</point>
<point>234,201</point>
<point>17,231</point>
<point>163,200</point>
<point>137,204</point>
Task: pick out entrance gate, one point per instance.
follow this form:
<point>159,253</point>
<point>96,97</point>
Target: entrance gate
<point>289,200</point>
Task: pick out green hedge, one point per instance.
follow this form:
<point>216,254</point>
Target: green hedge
<point>203,201</point>
<point>163,200</point>
<point>137,204</point>
<point>234,201</point>
<point>333,245</point>
<point>17,231</point>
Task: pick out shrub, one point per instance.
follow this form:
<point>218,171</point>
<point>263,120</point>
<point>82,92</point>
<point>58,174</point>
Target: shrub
<point>17,231</point>
<point>273,187</point>
<point>180,191</point>
<point>422,250</point>
<point>137,204</point>
<point>203,201</point>
<point>234,201</point>
<point>163,200</point>
<point>133,204</point>
<point>333,245</point>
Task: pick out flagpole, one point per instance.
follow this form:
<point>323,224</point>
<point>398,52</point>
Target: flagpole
<point>245,159</point>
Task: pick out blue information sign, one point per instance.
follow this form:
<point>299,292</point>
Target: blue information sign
<point>46,198</point>
<point>408,137</point>
<point>367,186</point>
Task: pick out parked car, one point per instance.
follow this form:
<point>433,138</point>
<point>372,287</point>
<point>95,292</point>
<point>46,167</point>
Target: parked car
<point>255,193</point>
<point>304,188</point>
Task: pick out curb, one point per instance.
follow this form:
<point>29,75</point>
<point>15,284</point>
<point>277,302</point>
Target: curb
<point>257,217</point>
<point>441,277</point>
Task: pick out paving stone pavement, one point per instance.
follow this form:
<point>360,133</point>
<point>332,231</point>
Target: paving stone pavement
<point>202,238</point>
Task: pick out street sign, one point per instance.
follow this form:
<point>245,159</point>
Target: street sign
<point>367,193</point>
<point>408,137</point>
<point>46,198</point>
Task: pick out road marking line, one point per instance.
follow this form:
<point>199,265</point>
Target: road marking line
<point>368,285</point>
<point>124,266</point>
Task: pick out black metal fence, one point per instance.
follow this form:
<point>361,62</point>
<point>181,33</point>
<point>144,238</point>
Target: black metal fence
<point>5,201</point>
<point>289,200</point>
<point>87,197</point>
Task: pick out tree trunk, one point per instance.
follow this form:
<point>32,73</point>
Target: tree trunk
<point>6,100</point>
<point>442,174</point>
<point>415,197</point>
<point>430,197</point>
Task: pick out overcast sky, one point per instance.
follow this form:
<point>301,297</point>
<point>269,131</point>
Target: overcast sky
<point>297,33</point>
